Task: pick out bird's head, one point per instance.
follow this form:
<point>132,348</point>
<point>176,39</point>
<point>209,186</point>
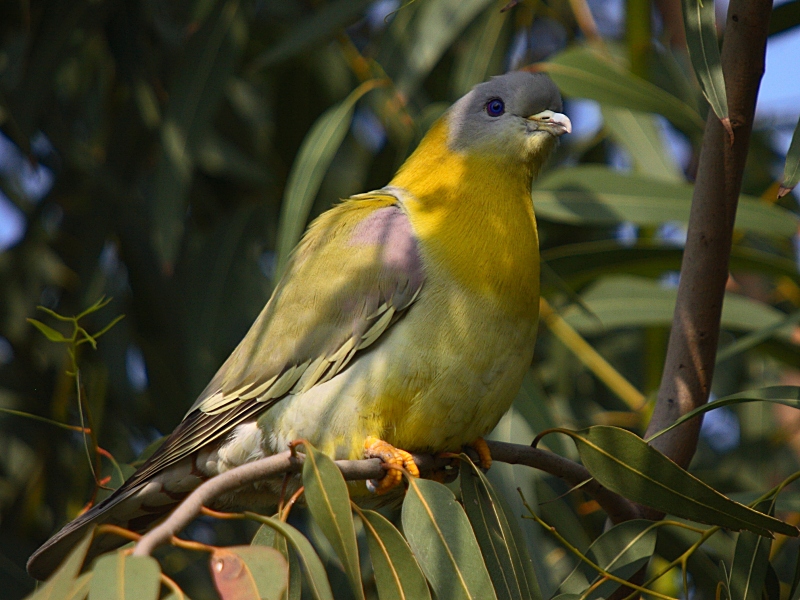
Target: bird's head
<point>514,117</point>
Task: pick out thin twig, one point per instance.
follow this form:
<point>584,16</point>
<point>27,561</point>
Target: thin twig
<point>618,508</point>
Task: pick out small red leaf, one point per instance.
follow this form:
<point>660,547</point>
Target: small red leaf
<point>232,578</point>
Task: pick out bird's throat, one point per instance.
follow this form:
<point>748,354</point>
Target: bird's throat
<point>474,216</point>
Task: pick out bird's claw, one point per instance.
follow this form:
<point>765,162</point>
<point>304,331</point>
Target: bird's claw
<point>394,458</point>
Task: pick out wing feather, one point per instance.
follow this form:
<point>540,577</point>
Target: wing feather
<point>356,272</point>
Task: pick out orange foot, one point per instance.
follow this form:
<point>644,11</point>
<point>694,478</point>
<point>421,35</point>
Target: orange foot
<point>376,448</point>
<point>481,447</point>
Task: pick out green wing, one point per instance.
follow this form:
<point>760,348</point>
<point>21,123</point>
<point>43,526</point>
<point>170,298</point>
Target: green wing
<point>356,271</point>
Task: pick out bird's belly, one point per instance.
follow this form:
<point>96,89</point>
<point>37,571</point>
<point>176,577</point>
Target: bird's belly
<point>434,383</point>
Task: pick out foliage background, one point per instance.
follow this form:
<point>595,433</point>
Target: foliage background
<point>152,152</point>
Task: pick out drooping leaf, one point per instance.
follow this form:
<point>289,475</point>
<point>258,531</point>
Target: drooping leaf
<point>750,563</point>
<point>436,25</point>
<point>329,502</point>
<point>63,580</point>
<point>637,302</point>
<point>267,536</point>
<point>621,551</point>
<point>313,568</point>
<point>322,23</point>
<point>119,576</point>
<point>509,565</point>
<point>249,573</point>
<point>581,263</point>
<point>784,17</point>
<point>439,533</point>
<point>397,573</point>
<point>791,169</point>
<point>788,395</point>
<point>624,463</point>
<point>593,195</point>
<point>583,72</point>
<point>638,133</point>
<point>313,159</point>
<point>209,60</point>
<point>701,39</point>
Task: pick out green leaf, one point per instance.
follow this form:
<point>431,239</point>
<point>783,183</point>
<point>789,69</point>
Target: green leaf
<point>483,50</point>
<point>519,426</point>
<point>788,395</point>
<point>313,568</point>
<point>639,135</point>
<point>439,533</point>
<point>266,536</point>
<point>80,587</point>
<point>329,502</point>
<point>249,572</point>
<point>50,333</point>
<point>751,340</point>
<point>578,264</point>
<point>63,581</point>
<point>624,301</point>
<point>207,63</point>
<point>593,195</point>
<point>701,39</point>
<point>750,563</point>
<point>791,169</point>
<point>784,17</point>
<point>119,576</point>
<point>397,574</point>
<point>625,464</point>
<point>509,565</point>
<point>322,23</point>
<point>583,72</point>
<point>621,551</point>
<point>436,25</point>
<point>313,159</point>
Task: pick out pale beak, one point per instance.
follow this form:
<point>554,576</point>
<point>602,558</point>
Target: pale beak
<point>553,122</point>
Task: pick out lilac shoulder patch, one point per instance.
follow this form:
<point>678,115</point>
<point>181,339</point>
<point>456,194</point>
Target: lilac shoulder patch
<point>390,228</point>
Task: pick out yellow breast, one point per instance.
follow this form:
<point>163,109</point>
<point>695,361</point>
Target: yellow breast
<point>474,219</point>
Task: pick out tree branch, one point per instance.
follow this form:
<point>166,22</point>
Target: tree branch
<point>692,348</point>
<point>618,508</point>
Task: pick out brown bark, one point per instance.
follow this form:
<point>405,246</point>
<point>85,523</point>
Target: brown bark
<point>689,366</point>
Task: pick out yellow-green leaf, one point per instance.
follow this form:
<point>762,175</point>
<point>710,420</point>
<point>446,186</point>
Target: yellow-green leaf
<point>249,573</point>
<point>701,39</point>
<point>119,576</point>
<point>329,502</point>
<point>626,464</point>
<point>439,533</point>
<point>397,574</point>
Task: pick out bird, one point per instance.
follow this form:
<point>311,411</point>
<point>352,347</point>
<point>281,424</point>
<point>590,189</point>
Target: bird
<point>404,322</point>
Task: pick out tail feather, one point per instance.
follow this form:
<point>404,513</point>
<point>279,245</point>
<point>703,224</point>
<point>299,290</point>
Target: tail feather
<point>136,506</point>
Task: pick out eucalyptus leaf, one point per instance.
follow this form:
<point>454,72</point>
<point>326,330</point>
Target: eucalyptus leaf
<point>593,195</point>
<point>626,464</point>
<point>509,565</point>
<point>249,572</point>
<point>701,38</point>
<point>313,568</point>
<point>329,502</point>
<point>439,533</point>
<point>750,563</point>
<point>119,575</point>
<point>313,159</point>
<point>621,551</point>
<point>267,536</point>
<point>397,573</point>
<point>791,169</point>
<point>585,72</point>
<point>788,395</point>
<point>63,580</point>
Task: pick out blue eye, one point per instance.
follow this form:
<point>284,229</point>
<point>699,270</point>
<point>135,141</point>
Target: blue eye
<point>495,107</point>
